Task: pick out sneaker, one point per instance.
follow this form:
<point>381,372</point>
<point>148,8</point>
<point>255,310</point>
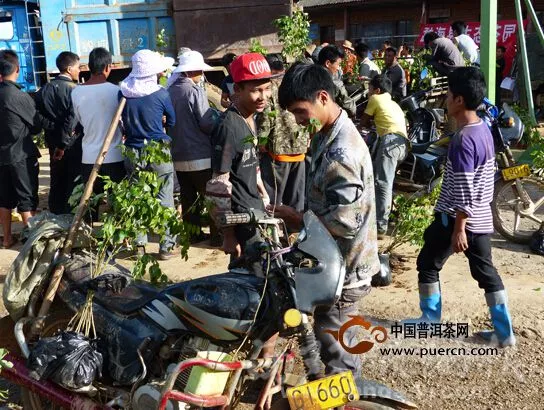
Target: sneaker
<point>169,254</point>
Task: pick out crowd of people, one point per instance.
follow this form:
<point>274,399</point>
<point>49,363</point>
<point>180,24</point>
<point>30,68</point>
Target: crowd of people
<point>314,157</point>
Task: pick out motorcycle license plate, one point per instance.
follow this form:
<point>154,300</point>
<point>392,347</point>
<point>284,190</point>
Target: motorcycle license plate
<point>333,391</point>
<point>519,171</point>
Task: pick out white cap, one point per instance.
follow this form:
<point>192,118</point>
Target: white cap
<point>146,63</point>
<point>191,61</point>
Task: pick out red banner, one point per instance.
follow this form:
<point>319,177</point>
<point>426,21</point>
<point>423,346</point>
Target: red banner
<point>505,30</point>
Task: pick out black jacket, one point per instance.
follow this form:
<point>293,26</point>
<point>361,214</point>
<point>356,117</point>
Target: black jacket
<point>18,121</point>
<point>54,102</point>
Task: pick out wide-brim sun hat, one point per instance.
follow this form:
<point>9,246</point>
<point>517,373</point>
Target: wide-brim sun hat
<point>191,61</point>
<point>146,63</point>
<point>348,44</point>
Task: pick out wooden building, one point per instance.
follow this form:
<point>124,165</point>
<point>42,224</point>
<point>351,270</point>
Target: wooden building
<point>397,20</point>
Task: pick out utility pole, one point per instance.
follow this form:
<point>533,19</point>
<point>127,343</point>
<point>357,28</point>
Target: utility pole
<point>488,44</point>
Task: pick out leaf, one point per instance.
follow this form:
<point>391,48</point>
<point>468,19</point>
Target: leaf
<point>537,289</point>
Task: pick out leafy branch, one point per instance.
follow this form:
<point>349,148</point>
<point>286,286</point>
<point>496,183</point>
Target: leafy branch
<point>294,34</point>
<point>256,47</point>
<point>134,207</point>
<point>412,216</point>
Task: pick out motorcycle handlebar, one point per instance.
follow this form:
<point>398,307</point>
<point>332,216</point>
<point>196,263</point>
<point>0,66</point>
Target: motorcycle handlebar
<point>236,219</point>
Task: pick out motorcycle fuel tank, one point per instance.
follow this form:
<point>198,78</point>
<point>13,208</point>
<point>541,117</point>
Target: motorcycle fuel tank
<point>221,306</point>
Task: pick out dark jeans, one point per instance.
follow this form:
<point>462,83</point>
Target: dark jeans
<point>114,170</point>
<point>284,181</point>
<point>191,185</point>
<point>165,173</point>
<point>64,172</point>
<point>438,249</point>
<point>333,355</point>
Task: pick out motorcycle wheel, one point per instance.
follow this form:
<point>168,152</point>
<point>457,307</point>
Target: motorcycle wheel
<point>58,319</point>
<point>507,207</point>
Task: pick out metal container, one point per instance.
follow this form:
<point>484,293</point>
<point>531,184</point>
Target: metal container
<point>121,26</point>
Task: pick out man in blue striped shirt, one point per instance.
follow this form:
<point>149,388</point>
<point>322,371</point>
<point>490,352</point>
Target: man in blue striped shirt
<point>463,220</point>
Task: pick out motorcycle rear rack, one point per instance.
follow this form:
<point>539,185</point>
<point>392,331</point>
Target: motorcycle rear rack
<point>274,364</point>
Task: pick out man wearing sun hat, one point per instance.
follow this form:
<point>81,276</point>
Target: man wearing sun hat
<point>349,65</point>
<point>191,142</point>
<point>234,186</point>
<point>147,104</point>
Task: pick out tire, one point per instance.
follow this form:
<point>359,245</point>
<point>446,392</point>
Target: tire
<point>374,404</point>
<point>505,208</point>
<point>58,318</point>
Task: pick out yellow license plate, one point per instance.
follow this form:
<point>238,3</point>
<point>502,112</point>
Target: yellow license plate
<point>333,391</point>
<point>519,171</point>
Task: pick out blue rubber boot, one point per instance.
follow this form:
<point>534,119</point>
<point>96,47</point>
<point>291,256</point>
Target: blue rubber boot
<point>430,303</point>
<point>502,334</point>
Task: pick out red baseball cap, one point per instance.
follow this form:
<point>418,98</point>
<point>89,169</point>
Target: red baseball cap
<point>250,67</point>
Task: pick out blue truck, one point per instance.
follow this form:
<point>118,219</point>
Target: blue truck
<point>39,31</point>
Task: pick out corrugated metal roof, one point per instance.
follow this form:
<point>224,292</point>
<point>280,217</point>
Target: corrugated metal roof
<point>320,3</point>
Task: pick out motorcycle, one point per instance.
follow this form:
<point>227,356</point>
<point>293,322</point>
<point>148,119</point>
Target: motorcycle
<point>159,346</point>
<point>518,201</point>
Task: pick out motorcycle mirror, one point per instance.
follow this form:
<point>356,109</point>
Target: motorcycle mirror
<point>424,73</point>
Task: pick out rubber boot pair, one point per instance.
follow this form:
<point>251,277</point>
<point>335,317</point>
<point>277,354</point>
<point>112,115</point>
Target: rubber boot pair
<point>502,334</point>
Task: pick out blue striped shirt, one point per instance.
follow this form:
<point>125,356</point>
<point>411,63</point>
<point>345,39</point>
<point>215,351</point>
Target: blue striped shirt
<point>469,177</point>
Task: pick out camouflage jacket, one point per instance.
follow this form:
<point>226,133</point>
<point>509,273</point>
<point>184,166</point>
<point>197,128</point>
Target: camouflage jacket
<point>279,127</point>
<point>343,99</point>
<point>340,191</point>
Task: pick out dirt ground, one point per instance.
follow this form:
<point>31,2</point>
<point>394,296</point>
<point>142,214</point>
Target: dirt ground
<point>510,378</point>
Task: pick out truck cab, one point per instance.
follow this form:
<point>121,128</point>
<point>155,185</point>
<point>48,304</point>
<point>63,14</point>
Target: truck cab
<point>20,32</point>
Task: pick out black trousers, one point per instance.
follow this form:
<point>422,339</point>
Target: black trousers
<point>284,181</point>
<point>19,185</point>
<point>114,170</point>
<point>191,185</point>
<point>63,175</point>
<point>438,249</point>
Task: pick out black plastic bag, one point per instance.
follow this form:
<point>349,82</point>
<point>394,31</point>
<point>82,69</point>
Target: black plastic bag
<point>67,359</point>
<point>537,241</point>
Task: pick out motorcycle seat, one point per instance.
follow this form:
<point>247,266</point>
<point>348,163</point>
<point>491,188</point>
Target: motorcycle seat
<point>420,148</point>
<point>129,300</point>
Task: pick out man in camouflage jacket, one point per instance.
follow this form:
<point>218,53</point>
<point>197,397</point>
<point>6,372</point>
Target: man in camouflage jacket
<point>340,191</point>
<point>282,163</point>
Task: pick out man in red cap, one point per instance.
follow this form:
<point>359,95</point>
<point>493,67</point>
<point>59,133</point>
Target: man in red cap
<point>235,185</point>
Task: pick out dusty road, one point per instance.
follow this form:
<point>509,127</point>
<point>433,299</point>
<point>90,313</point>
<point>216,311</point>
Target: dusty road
<point>456,376</point>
